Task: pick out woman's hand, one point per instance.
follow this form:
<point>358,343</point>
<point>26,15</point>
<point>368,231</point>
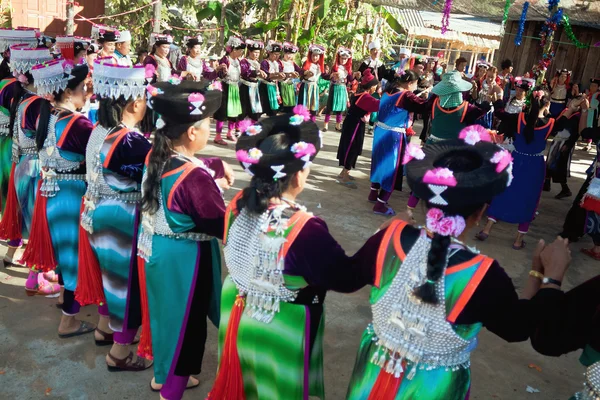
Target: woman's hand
<point>222,183</point>
<point>556,258</point>
<point>536,262</point>
<point>229,173</point>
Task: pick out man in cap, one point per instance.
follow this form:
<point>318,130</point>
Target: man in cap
<point>123,48</point>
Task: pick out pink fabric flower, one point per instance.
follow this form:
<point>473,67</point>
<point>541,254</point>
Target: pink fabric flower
<point>196,98</point>
<point>151,89</point>
<point>301,149</point>
<point>502,159</point>
<point>301,111</point>
<point>244,124</point>
<point>440,176</point>
<point>413,151</point>
<point>251,156</point>
<point>217,85</point>
<point>538,94</point>
<point>474,134</point>
<point>438,223</point>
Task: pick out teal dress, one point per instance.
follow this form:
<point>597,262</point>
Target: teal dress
<point>115,160</point>
<point>179,248</point>
<point>25,155</point>
<point>63,160</point>
<point>6,94</point>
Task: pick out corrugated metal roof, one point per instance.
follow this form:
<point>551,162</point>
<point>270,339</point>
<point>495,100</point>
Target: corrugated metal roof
<point>463,23</point>
<point>581,12</point>
<point>407,18</point>
<point>469,41</point>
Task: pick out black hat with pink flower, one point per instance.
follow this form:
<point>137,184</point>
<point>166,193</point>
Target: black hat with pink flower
<point>302,140</point>
<point>464,172</point>
<point>183,103</point>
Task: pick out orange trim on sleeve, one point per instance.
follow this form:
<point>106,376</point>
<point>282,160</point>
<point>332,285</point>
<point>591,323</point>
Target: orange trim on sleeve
<point>400,97</point>
<point>383,246</point>
<point>466,108</point>
<point>396,240</point>
<point>298,220</point>
<point>463,105</point>
<point>188,167</point>
<point>27,103</point>
<point>113,147</point>
<point>175,171</point>
<point>521,119</point>
<point>469,263</point>
<point>434,106</point>
<point>65,132</point>
<point>470,289</point>
<point>231,209</point>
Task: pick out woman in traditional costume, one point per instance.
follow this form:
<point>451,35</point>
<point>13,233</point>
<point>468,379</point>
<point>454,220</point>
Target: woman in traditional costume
<point>489,93</point>
<point>157,64</point>
<point>251,74</point>
<point>506,79</point>
<point>341,76</point>
<point>269,87</point>
<point>115,156</point>
<point>584,215</point>
<point>61,139</point>
<point>396,109</point>
<point>558,161</point>
<point>281,261</point>
<point>231,105</point>
<point>193,63</point>
<point>529,171</point>
<point>25,172</point>
<point>515,106</point>
<point>353,130</point>
<point>292,72</point>
<point>314,68</point>
<point>9,37</point>
<point>593,95</point>
<point>108,40</point>
<point>559,92</point>
<point>432,294</point>
<point>183,214</point>
<point>450,113</point>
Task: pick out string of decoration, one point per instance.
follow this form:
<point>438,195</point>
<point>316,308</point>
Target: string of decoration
<point>550,26</point>
<point>446,16</point>
<point>571,35</point>
<point>519,37</point>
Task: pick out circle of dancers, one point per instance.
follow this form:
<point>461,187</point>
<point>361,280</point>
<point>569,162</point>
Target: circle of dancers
<point>106,201</point>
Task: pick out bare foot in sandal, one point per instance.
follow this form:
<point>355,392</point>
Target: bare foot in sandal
<point>192,383</point>
<point>124,360</point>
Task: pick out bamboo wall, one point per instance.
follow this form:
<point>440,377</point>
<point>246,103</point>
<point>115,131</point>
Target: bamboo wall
<point>585,63</point>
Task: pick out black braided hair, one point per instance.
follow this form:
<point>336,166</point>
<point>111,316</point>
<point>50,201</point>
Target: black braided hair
<point>438,253</point>
<point>255,198</point>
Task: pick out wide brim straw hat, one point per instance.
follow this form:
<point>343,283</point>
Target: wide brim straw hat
<point>452,82</point>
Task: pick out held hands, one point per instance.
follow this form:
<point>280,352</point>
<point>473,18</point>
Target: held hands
<point>308,74</point>
<point>229,174</point>
<point>555,258</point>
<point>262,74</point>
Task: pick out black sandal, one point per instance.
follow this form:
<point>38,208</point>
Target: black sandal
<point>84,327</point>
<point>127,363</point>
<point>189,385</point>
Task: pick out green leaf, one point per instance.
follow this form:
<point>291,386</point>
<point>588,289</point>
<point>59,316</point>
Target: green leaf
<point>212,9</point>
<point>324,9</point>
<point>343,24</point>
<point>284,7</point>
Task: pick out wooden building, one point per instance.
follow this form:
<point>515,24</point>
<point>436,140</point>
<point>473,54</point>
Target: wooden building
<point>584,63</point>
<point>50,15</point>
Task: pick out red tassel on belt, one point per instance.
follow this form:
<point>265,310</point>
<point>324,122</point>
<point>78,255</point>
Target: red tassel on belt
<point>89,276</point>
<point>39,253</point>
<point>386,386</point>
<point>145,345</point>
<point>229,384</point>
<point>11,224</point>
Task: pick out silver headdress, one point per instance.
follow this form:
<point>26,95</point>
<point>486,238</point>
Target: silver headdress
<point>114,81</point>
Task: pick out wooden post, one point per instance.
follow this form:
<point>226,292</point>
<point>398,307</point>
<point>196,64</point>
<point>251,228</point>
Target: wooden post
<point>429,46</point>
<point>222,24</point>
<point>156,17</point>
<point>471,61</point>
<point>70,28</point>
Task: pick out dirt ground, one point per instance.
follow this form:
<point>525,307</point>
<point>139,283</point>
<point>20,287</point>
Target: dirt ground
<point>36,364</point>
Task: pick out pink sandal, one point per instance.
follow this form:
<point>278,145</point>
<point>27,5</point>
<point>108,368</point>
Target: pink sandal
<point>51,276</point>
<point>591,253</point>
<point>42,287</point>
